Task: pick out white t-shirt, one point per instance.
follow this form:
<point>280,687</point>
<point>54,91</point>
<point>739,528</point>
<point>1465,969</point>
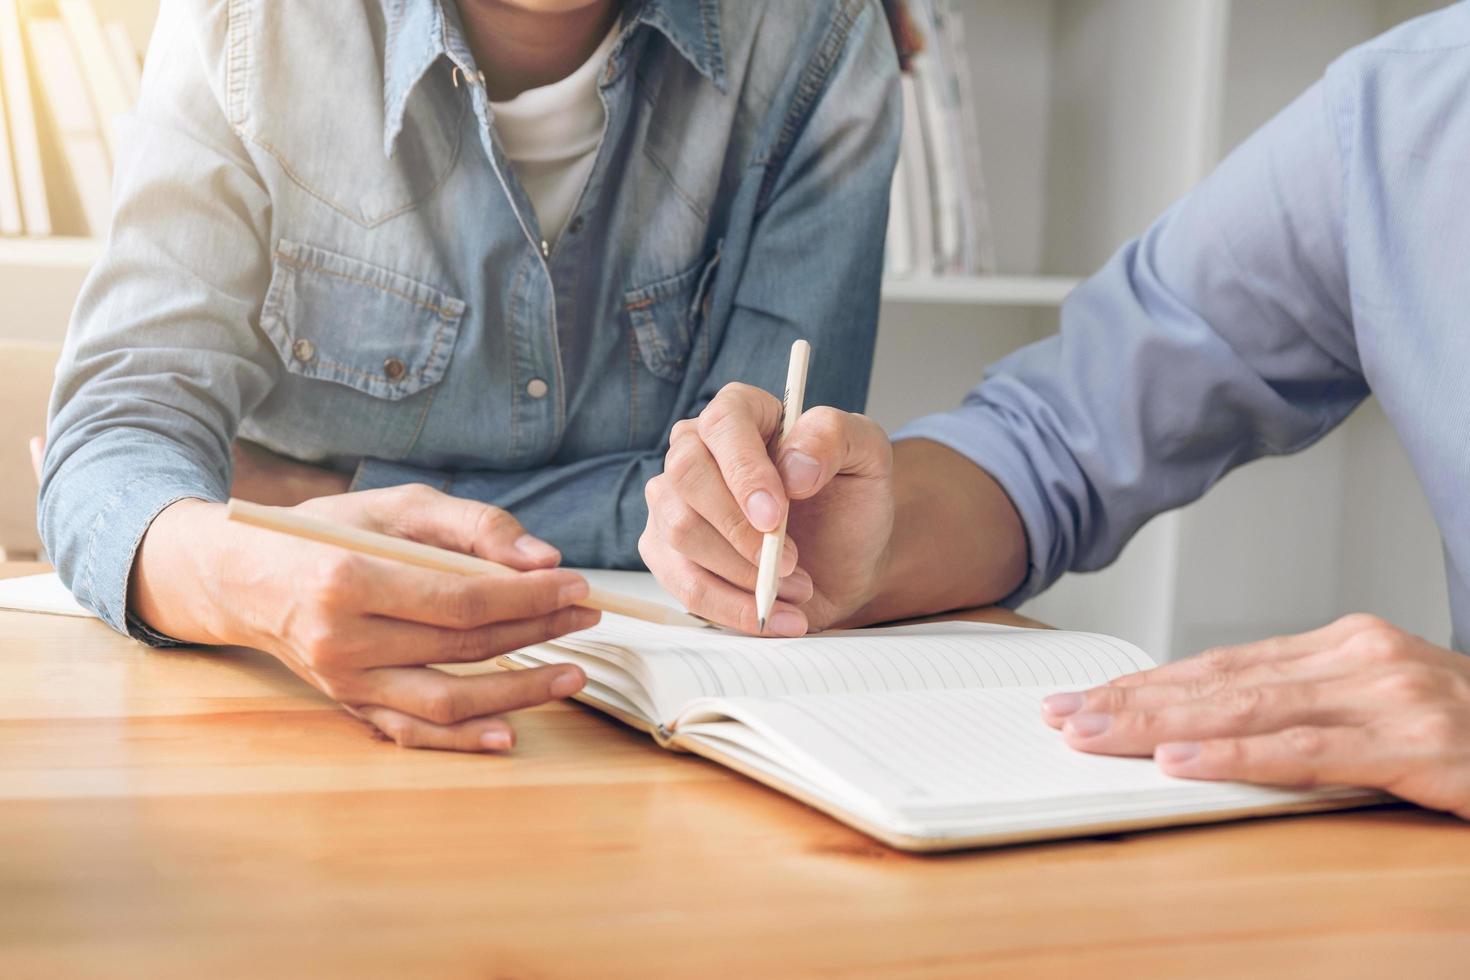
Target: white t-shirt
<point>551,135</point>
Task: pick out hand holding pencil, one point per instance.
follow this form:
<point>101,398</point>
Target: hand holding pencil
<point>364,594</point>
<point>722,496</point>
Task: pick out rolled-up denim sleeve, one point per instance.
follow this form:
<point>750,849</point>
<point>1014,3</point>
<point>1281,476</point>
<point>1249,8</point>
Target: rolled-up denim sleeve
<point>161,359</point>
<point>1222,334</point>
<point>811,268</point>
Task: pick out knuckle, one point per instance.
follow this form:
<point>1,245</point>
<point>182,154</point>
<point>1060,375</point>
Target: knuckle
<point>1208,684</point>
<point>440,705</point>
<point>826,423</point>
<point>466,607</point>
<point>462,646</point>
<point>719,412</point>
<point>1217,661</point>
<point>1379,645</point>
<point>1363,623</point>
<point>414,494</point>
<point>684,429</point>
<point>1241,704</point>
<point>681,465</point>
<point>1407,685</point>
<point>489,523</point>
<point>1114,699</point>
<point>694,592</point>
<point>337,578</point>
<point>397,729</point>
<point>682,524</point>
<point>318,644</point>
<point>654,492</point>
<point>1304,742</point>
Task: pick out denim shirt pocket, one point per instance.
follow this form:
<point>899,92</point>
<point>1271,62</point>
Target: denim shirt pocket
<point>666,315</point>
<point>337,319</point>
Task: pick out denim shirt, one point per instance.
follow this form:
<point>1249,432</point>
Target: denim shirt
<point>320,246</point>
<point>1327,257</point>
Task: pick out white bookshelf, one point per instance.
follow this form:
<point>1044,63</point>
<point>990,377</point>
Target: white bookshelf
<point>1095,115</point>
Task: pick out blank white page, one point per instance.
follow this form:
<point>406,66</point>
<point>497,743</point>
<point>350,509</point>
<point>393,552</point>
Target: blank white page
<point>678,665</point>
<point>955,762</point>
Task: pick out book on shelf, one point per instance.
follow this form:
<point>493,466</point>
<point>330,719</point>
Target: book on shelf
<point>926,737</point>
<point>25,141</point>
<point>84,161</point>
<point>98,67</point>
<point>11,221</point>
<point>65,77</point>
<point>946,228</point>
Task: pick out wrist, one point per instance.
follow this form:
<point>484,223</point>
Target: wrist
<point>173,586</point>
<point>957,540</point>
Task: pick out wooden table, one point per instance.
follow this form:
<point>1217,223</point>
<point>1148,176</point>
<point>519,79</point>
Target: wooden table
<point>203,813</point>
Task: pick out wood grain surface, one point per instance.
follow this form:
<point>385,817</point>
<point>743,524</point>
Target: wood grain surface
<point>203,813</point>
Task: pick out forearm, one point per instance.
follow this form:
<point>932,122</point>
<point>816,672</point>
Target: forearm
<point>957,540</point>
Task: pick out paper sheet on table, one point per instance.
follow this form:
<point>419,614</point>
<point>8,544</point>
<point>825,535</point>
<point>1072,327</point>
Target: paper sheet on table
<point>46,594</point>
<point>39,594</point>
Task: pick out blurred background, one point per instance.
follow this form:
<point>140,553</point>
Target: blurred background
<point>1042,134</point>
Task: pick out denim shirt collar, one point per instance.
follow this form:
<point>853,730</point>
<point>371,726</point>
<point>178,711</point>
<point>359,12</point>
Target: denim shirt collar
<point>420,32</point>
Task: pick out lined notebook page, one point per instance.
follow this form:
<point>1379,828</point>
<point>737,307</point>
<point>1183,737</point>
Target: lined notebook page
<point>679,665</point>
<point>955,759</point>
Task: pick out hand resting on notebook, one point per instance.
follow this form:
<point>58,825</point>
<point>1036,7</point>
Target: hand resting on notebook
<point>1358,702</point>
<point>362,630</point>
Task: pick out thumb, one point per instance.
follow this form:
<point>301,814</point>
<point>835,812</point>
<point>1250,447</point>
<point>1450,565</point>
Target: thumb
<point>826,442</point>
<point>427,515</point>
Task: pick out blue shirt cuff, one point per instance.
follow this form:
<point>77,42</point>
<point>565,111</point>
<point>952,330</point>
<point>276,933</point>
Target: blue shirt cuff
<point>112,547</point>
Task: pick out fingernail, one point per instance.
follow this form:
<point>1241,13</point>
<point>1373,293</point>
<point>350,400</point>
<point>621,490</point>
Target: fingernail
<point>496,740</point>
<point>536,549</point>
<point>799,472</point>
<point>764,513</point>
<point>1089,724</point>
<point>571,591</point>
<point>566,683</point>
<point>787,623</point>
<point>1173,753</point>
<point>1061,705</point>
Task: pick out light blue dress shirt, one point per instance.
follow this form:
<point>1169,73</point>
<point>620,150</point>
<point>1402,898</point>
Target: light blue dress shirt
<point>320,246</point>
<point>1327,257</point>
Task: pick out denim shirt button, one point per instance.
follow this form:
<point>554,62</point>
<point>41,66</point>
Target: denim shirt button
<point>303,351</point>
<point>394,369</point>
<point>537,388</point>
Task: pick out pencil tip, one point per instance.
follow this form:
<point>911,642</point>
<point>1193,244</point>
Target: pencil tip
<point>760,624</point>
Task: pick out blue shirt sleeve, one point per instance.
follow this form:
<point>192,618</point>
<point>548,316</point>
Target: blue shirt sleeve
<point>1222,334</point>
<point>161,360</point>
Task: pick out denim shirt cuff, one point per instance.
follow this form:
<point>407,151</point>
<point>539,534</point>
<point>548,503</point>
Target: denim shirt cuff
<point>116,535</point>
<point>993,451</point>
<point>378,474</point>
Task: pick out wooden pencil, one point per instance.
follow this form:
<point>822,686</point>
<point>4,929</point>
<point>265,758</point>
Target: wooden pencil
<point>379,545</point>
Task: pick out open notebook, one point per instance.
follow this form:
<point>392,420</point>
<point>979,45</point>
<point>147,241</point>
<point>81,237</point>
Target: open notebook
<point>926,737</point>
